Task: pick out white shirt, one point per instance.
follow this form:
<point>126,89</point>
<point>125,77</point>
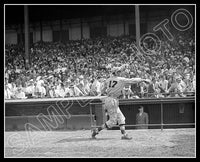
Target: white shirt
<point>51,93</point>
<point>181,86</point>
<point>39,83</point>
<point>7,93</point>
<point>68,91</point>
<point>20,95</point>
<point>60,92</point>
<point>30,89</point>
<point>77,91</point>
<point>163,84</point>
<point>96,87</point>
<point>43,91</point>
<point>86,88</point>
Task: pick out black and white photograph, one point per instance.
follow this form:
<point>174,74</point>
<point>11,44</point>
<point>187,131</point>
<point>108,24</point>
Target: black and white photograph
<point>99,80</point>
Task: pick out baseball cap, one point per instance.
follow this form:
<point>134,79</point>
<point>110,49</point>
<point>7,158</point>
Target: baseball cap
<point>140,107</point>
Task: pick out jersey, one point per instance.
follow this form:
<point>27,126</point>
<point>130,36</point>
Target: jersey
<point>114,85</point>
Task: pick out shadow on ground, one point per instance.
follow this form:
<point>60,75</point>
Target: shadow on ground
<point>81,139</point>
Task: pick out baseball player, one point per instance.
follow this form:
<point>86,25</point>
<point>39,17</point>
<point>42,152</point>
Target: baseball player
<point>114,86</point>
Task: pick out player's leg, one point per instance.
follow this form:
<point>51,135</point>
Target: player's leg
<point>108,124</point>
<point>96,131</point>
<point>121,121</point>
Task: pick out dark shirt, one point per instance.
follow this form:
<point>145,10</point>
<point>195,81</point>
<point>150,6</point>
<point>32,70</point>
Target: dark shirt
<point>143,119</point>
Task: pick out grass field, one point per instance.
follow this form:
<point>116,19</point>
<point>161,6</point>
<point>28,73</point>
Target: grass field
<point>145,143</point>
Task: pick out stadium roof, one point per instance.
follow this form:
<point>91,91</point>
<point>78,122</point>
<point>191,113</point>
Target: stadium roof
<point>14,14</point>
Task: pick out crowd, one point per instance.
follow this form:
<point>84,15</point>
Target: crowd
<point>79,68</point>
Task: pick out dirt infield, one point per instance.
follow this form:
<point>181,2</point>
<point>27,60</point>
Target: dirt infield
<point>145,143</point>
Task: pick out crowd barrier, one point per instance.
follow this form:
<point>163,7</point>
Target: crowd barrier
<point>87,112</point>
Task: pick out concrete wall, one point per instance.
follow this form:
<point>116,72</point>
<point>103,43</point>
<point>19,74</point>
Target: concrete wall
<point>115,27</point>
<point>11,37</point>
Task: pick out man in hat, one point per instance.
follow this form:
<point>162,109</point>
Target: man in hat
<point>142,118</point>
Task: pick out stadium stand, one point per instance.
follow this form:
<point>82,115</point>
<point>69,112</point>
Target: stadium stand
<point>76,68</point>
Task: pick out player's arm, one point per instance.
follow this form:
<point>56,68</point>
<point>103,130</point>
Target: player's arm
<point>134,80</point>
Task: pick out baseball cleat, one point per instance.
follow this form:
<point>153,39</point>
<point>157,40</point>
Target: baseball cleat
<point>126,137</point>
<point>94,133</point>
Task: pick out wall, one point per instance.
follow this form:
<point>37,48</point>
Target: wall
<point>175,110</point>
<point>86,31</point>
<point>114,24</point>
<point>11,37</point>
<point>115,29</point>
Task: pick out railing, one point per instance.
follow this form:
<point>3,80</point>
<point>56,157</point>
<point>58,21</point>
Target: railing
<point>190,93</point>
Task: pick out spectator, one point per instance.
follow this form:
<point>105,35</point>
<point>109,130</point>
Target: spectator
<point>143,89</point>
<point>86,87</point>
<point>30,89</point>
<point>181,85</point>
<point>7,93</point>
<point>42,90</point>
<point>96,88</point>
<point>152,88</point>
<point>188,82</point>
<point>194,83</point>
<point>52,91</point>
<point>127,93</point>
<point>142,118</point>
<point>20,94</point>
<point>177,87</point>
<point>163,85</point>
<point>135,88</point>
<point>77,91</point>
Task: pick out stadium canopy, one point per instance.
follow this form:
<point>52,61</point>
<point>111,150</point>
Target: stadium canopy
<point>14,14</point>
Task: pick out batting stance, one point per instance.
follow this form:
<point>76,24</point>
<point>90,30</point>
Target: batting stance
<point>114,86</point>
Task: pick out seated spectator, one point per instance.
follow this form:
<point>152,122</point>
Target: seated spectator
<point>7,92</point>
<point>152,91</point>
<point>42,90</point>
<point>194,83</point>
<point>71,90</point>
<point>135,88</point>
<point>127,93</point>
<point>57,89</point>
<point>177,87</point>
<point>61,91</point>
<point>13,90</point>
<point>96,87</point>
<point>143,89</point>
<point>86,87</point>
<point>181,84</point>
<point>162,84</point>
<point>52,92</point>
<point>77,91</point>
<point>188,82</point>
<point>30,89</point>
<point>20,94</point>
